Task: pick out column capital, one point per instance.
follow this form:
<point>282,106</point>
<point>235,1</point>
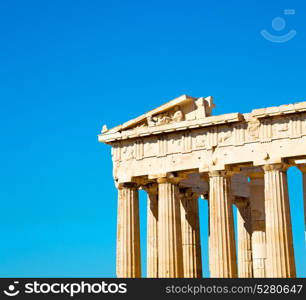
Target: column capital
<point>169,179</point>
<point>278,166</point>
<point>130,185</point>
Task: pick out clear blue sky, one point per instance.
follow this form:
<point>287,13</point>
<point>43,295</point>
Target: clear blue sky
<point>68,67</point>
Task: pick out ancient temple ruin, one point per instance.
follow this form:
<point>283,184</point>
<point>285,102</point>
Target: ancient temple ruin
<point>181,151</point>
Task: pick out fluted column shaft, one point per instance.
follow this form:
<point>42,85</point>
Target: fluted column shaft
<point>257,202</point>
<point>152,231</point>
<point>192,261</point>
<point>170,252</point>
<point>210,260</point>
<point>128,233</point>
<point>222,240</point>
<point>245,263</point>
<point>280,253</point>
<point>304,190</point>
<point>303,169</point>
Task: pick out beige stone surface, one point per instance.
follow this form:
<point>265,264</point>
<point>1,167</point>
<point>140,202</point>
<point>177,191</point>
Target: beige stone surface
<point>280,253</point>
<point>141,148</point>
<point>192,261</point>
<point>221,238</point>
<point>128,233</point>
<point>170,250</point>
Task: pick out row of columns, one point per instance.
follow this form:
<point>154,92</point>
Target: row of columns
<point>265,247</point>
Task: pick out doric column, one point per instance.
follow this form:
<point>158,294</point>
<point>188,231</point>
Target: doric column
<point>210,260</point>
<point>245,263</point>
<point>170,252</point>
<point>280,253</point>
<point>257,201</point>
<point>221,240</point>
<point>152,231</point>
<point>128,232</point>
<point>192,260</point>
<point>303,169</point>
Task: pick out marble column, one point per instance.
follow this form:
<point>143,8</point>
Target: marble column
<point>152,231</point>
<point>257,201</point>
<point>303,170</point>
<point>192,261</point>
<point>128,232</point>
<point>245,263</point>
<point>280,253</point>
<point>221,239</point>
<point>170,251</point>
<point>209,247</point>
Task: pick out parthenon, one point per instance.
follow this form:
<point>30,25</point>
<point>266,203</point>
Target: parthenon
<point>180,152</point>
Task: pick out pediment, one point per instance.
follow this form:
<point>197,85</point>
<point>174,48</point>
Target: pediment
<point>183,108</point>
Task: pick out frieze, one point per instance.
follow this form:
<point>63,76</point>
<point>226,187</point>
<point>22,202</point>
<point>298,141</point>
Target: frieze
<point>251,130</point>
